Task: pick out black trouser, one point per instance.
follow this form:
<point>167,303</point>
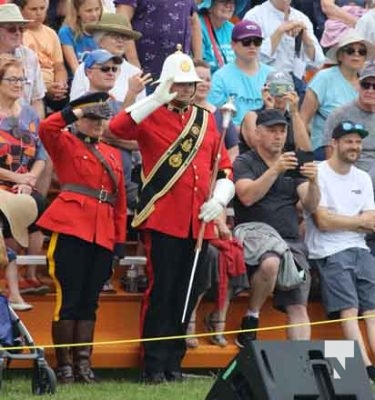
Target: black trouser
<point>169,268</point>
<point>79,270</point>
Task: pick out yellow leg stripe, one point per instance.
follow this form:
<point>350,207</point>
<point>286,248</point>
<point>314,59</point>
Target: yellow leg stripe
<point>52,271</point>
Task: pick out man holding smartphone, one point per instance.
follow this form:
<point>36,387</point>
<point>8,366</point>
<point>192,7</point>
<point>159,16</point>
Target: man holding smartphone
<point>265,194</point>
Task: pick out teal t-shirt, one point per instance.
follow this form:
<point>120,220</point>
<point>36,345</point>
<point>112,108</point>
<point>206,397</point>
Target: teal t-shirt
<point>332,91</point>
<point>245,90</point>
<point>223,37</point>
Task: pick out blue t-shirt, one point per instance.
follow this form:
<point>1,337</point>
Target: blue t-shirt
<point>82,44</point>
<point>245,90</point>
<point>332,90</point>
<point>223,43</point>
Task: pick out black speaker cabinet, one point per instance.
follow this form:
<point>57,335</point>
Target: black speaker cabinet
<point>294,370</point>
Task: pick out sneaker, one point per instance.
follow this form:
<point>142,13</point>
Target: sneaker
<point>20,306</point>
<point>38,286</point>
<point>245,338</point>
<point>25,287</point>
<point>371,372</point>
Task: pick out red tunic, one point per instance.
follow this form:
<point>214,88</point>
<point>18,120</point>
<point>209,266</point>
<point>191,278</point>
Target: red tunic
<point>177,211</point>
<point>74,213</point>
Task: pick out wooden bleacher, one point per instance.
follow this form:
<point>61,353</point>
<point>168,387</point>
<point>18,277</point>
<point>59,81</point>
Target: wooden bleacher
<point>118,320</point>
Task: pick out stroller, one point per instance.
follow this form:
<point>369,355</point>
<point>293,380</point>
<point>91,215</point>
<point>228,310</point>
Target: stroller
<point>13,333</point>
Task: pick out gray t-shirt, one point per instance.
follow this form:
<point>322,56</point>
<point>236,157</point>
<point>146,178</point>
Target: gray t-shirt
<point>351,112</point>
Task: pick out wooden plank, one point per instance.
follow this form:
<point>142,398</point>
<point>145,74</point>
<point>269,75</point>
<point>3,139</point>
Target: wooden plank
<point>118,320</point>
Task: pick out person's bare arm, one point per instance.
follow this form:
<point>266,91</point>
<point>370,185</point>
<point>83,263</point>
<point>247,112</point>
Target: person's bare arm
<point>250,191</point>
<point>332,11</point>
<point>328,221</point>
<point>309,107</point>
<point>196,36</point>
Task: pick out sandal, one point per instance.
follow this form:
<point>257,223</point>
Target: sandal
<point>212,326</point>
<point>191,342</point>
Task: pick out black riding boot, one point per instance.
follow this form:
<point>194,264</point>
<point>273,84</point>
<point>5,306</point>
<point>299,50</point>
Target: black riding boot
<point>84,333</point>
<point>63,333</point>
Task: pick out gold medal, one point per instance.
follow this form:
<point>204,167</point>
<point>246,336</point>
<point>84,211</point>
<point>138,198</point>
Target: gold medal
<point>175,160</point>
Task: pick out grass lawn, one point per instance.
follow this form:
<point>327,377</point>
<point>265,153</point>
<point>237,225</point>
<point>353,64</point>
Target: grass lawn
<point>114,385</point>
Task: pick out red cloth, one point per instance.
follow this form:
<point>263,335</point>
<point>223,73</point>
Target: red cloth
<point>74,213</point>
<point>231,263</point>
<point>176,212</point>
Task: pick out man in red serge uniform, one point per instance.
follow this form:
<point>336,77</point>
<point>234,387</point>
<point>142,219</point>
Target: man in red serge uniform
<point>88,221</point>
<point>178,143</point>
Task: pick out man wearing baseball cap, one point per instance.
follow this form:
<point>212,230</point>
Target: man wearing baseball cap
<point>335,236</point>
<point>289,41</point>
<point>245,77</point>
<point>361,110</point>
<point>265,208</point>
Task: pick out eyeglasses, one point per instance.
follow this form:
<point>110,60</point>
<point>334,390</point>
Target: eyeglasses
<point>14,80</point>
<point>367,85</point>
<point>348,126</point>
<point>13,28</point>
<point>116,36</point>
<point>352,50</point>
<point>252,40</point>
<point>106,69</point>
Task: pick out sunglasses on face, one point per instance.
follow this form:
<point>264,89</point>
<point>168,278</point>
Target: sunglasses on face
<point>252,40</point>
<point>367,85</point>
<point>348,126</point>
<point>352,50</point>
<point>14,28</point>
<point>106,69</point>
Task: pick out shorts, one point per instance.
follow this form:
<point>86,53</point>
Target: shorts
<point>284,298</point>
<point>347,280</point>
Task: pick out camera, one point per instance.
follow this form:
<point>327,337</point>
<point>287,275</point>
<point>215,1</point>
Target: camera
<point>280,89</point>
<point>302,158</point>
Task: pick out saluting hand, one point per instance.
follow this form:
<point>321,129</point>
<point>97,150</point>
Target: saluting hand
<point>162,93</point>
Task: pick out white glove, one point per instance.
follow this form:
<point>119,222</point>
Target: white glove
<point>143,108</point>
<point>222,195</point>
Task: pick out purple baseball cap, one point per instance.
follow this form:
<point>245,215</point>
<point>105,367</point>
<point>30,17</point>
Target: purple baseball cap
<point>246,29</point>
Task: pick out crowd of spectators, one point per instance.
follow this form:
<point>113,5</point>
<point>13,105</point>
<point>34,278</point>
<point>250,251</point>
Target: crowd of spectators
<point>301,75</point>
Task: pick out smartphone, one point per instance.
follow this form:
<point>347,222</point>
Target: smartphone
<point>302,158</point>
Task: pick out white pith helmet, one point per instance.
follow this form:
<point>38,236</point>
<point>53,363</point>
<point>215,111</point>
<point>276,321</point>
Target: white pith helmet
<point>179,67</point>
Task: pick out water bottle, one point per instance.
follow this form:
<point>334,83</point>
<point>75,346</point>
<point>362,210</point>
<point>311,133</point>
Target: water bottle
<point>142,279</point>
<point>132,279</point>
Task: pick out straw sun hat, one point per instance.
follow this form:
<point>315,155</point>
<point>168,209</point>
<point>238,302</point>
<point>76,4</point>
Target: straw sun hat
<point>349,38</point>
<point>10,13</point>
<point>110,22</point>
<point>21,211</point>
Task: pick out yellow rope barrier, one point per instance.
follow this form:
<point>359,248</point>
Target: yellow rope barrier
<point>196,335</point>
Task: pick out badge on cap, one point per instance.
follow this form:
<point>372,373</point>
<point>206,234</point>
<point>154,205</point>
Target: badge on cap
<point>185,66</point>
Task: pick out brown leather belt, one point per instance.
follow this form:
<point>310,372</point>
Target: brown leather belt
<point>102,195</point>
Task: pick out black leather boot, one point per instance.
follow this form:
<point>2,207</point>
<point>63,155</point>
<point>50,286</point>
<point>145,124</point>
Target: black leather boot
<point>63,333</point>
<point>84,333</point>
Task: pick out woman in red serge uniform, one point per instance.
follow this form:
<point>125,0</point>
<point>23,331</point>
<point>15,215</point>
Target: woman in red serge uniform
<point>178,142</point>
<point>88,221</point>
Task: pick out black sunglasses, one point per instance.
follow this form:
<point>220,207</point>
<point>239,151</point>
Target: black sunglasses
<point>257,41</point>
<point>367,85</point>
<point>352,50</point>
<point>107,68</point>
